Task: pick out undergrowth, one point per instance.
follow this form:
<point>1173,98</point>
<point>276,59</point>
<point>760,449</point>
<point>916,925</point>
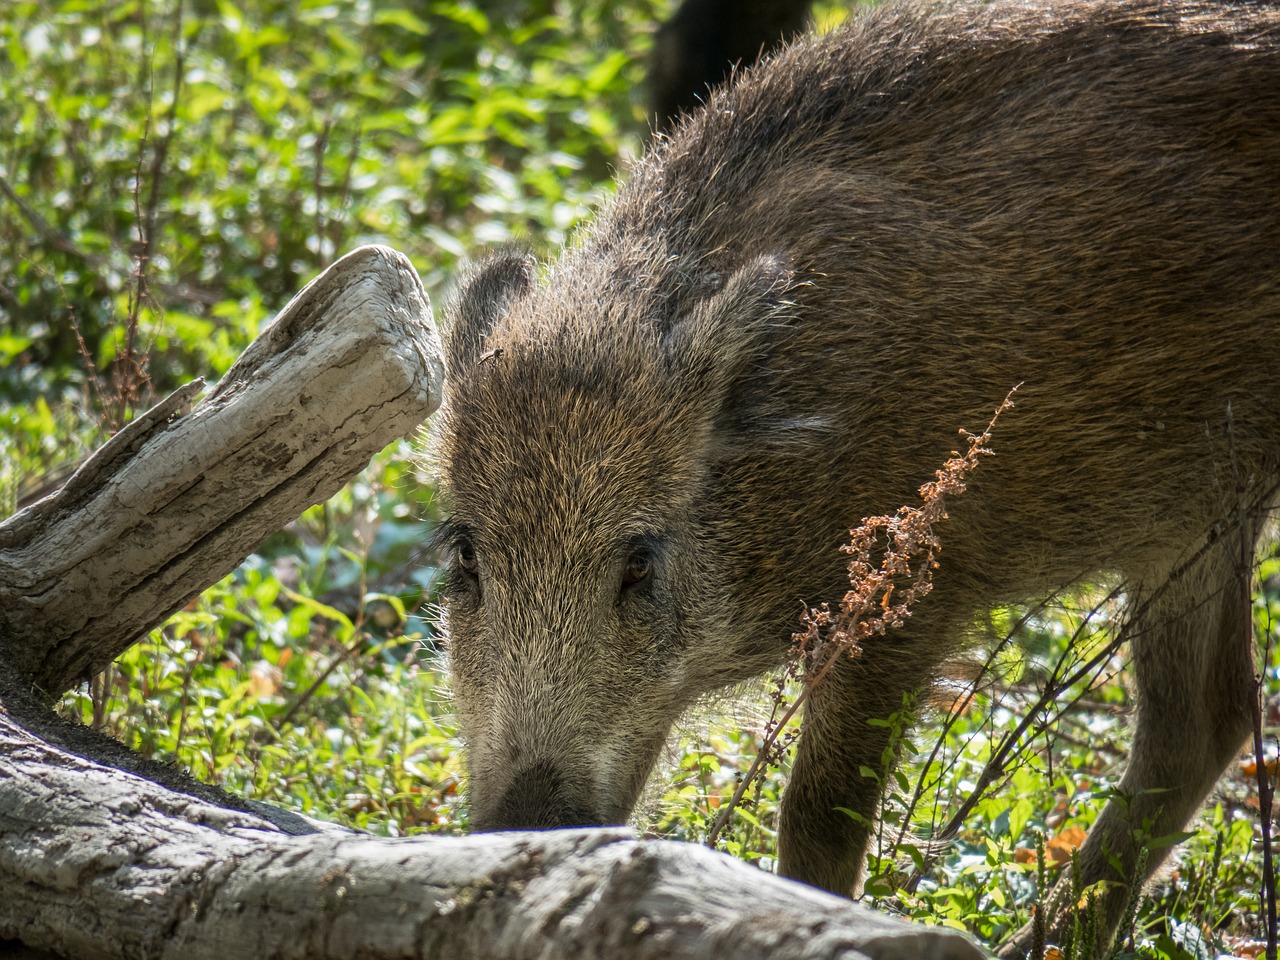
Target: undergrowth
<point>985,872</point>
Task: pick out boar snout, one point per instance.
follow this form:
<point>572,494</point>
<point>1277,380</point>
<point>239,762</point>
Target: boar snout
<point>540,797</point>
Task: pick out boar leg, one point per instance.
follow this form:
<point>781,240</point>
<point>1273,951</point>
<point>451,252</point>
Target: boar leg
<point>819,843</point>
<point>1194,673</point>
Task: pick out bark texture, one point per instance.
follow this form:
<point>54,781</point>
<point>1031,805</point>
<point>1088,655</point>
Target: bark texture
<point>177,499</point>
<point>98,864</point>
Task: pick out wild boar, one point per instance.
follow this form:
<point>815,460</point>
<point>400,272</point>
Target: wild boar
<point>654,446</point>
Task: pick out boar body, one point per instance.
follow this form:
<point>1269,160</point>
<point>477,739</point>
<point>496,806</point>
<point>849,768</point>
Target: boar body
<point>654,447</point>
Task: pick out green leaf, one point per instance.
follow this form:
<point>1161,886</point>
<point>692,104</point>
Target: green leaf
<point>1019,814</point>
<point>878,887</point>
<point>322,610</point>
<point>466,14</point>
<point>404,19</point>
<point>13,344</point>
<point>1169,839</point>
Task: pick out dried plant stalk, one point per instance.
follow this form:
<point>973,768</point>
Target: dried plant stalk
<point>880,598</point>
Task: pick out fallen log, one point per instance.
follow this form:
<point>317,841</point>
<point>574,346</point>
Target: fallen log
<point>99,864</point>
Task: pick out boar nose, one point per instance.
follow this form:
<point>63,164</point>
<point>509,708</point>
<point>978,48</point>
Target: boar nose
<point>538,798</point>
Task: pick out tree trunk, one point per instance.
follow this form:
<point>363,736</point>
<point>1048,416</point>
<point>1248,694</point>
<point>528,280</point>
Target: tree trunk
<point>99,860</point>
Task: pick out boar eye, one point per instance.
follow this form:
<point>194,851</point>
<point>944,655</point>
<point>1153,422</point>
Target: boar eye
<point>466,554</point>
<point>637,567</point>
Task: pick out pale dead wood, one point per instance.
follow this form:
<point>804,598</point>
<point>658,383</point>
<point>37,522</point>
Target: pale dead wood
<point>177,499</point>
<point>98,864</point>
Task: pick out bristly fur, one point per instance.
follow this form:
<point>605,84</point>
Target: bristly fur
<point>777,327</point>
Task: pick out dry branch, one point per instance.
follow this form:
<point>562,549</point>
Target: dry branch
<point>176,500</point>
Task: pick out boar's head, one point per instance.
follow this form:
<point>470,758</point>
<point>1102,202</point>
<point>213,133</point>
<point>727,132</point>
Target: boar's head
<point>588,599</point>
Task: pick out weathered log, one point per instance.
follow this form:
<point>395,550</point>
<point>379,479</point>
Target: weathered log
<point>176,500</point>
<point>99,864</point>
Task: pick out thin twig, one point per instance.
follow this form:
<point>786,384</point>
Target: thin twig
<point>121,262</point>
<point>1006,751</point>
<point>1247,536</point>
<point>345,654</point>
<point>996,766</point>
<point>764,754</point>
<point>318,153</point>
<point>971,691</point>
<point>129,372</point>
<point>48,235</point>
<point>161,153</point>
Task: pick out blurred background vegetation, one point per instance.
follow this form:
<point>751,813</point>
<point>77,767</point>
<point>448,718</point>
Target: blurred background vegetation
<point>173,171</point>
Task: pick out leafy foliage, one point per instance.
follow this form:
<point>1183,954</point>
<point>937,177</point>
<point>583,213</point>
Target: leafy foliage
<point>988,875</point>
<point>174,170</point>
<point>241,148</point>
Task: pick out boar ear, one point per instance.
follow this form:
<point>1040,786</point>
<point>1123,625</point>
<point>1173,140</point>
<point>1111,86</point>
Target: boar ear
<point>724,335</point>
<point>485,293</point>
